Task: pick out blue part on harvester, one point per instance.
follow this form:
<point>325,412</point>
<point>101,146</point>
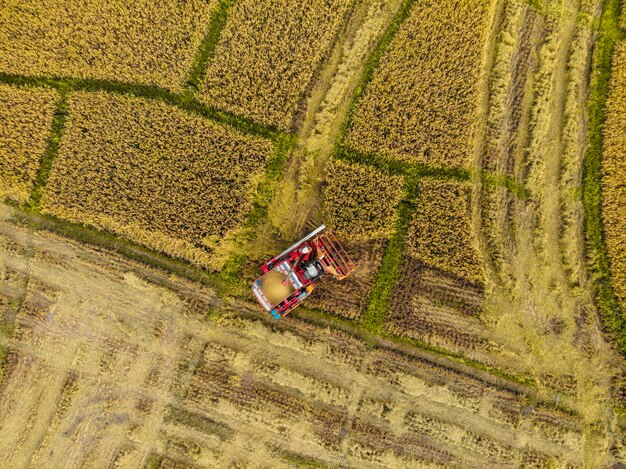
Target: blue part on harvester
<point>275,314</point>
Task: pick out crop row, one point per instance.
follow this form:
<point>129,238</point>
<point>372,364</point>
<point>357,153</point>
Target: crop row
<point>268,55</point>
<point>164,178</point>
<point>421,105</point>
<point>143,41</point>
<point>614,174</point>
<point>25,120</point>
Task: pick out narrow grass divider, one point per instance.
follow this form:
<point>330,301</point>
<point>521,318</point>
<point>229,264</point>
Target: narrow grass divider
<point>609,34</point>
<point>209,43</point>
<point>380,297</point>
<point>52,150</point>
<point>184,101</point>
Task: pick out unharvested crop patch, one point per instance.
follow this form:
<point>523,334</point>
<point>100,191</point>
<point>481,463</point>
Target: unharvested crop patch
<point>360,203</point>
<point>144,41</point>
<point>421,103</point>
<point>169,180</point>
<point>268,55</point>
<point>25,122</point>
<point>614,174</point>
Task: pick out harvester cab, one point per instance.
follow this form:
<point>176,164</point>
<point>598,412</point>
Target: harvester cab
<point>291,276</point>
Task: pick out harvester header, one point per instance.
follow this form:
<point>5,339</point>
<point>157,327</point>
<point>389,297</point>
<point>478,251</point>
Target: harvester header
<point>291,276</point>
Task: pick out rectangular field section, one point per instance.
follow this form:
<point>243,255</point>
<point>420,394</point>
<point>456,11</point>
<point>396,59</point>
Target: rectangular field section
<point>440,290</point>
<point>268,55</point>
<point>614,174</point>
<point>172,181</point>
<point>421,104</point>
<point>25,124</point>
<point>143,41</point>
<point>360,203</point>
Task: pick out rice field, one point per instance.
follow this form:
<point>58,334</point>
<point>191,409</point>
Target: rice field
<point>147,42</point>
<point>268,56</point>
<point>420,105</point>
<point>154,156</point>
<point>169,180</point>
<point>25,122</point>
<point>614,173</point>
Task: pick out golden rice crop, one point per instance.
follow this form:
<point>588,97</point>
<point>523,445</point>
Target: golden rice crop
<point>144,41</point>
<point>268,55</point>
<point>441,233</point>
<point>421,105</point>
<point>614,174</point>
<point>360,202</point>
<point>25,123</point>
<point>170,180</point>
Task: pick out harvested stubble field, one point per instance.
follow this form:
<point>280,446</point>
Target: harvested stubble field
<point>167,179</point>
<point>143,41</point>
<point>469,336</point>
<point>25,121</point>
<point>268,56</point>
<point>137,374</point>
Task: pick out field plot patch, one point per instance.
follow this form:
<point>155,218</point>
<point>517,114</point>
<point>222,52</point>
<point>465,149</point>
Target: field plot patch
<point>143,41</point>
<point>25,124</point>
<point>360,204</point>
<point>268,55</point>
<point>169,180</point>
<point>107,367</point>
<point>421,103</point>
<point>614,174</point>
<point>440,291</point>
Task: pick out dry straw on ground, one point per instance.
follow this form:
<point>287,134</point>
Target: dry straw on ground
<point>421,104</point>
<point>441,234</point>
<point>172,181</point>
<point>144,41</point>
<point>25,122</point>
<point>268,55</point>
<point>360,202</point>
<point>614,174</point>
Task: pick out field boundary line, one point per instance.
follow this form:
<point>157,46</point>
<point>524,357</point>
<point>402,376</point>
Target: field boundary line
<point>379,300</point>
<point>232,271</point>
<point>609,35</point>
<point>416,171</point>
<point>52,150</point>
<point>37,221</point>
<point>371,65</point>
<point>184,101</point>
<point>218,19</point>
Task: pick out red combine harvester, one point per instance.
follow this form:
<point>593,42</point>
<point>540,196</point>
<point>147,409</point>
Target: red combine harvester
<point>290,277</point>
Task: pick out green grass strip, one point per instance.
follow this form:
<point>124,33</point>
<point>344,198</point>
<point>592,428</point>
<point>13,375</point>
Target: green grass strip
<point>209,43</point>
<point>52,150</point>
<point>416,171</point>
<point>380,297</point>
<point>184,101</point>
<point>609,34</point>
